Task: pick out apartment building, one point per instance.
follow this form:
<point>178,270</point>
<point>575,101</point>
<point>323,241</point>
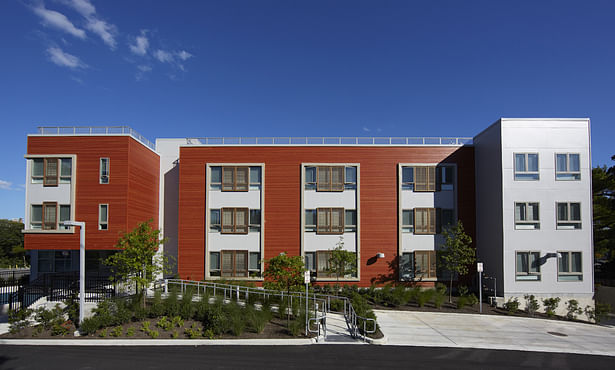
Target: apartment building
<point>522,189</point>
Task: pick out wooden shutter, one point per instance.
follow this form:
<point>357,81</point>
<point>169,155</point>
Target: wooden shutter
<point>228,225</point>
<point>337,220</point>
<point>432,264</point>
<point>51,172</point>
<point>424,220</point>
<point>421,260</point>
<point>228,178</point>
<point>337,178</point>
<point>227,263</point>
<point>241,178</point>
<point>50,218</point>
<point>322,220</point>
<point>241,220</point>
<point>322,264</point>
<point>241,263</point>
<point>425,178</point>
<point>323,176</point>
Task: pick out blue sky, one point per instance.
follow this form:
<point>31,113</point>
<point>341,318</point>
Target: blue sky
<point>299,68</point>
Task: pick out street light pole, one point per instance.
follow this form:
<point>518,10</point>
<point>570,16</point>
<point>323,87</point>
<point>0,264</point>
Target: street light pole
<point>81,265</point>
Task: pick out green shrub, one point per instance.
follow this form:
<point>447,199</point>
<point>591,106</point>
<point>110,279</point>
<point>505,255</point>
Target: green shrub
<point>424,296</point>
<point>573,309</point>
<point>145,326</point>
<point>512,305</point>
<point>193,332</point>
<point>177,321</point>
<point>238,324</point>
<point>531,304</point>
<point>154,334</point>
<point>48,318</point>
<point>413,294</point>
<point>174,335</point>
<point>186,305</point>
<point>72,308</point>
<point>550,305</point>
<point>60,329</point>
<point>257,320</point>
<point>19,319</point>
<point>90,325</point>
<point>209,334</point>
<point>296,326</point>
<point>117,331</point>
<point>598,313</point>
<point>164,323</point>
<point>103,333</point>
<point>283,308</point>
<point>130,332</point>
<point>439,296</point>
<point>157,307</point>
<point>171,304</point>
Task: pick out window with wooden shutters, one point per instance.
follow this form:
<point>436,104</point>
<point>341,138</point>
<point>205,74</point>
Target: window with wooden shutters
<point>51,172</point>
<point>235,220</point>
<point>424,220</point>
<point>322,264</point>
<point>330,178</point>
<point>425,178</point>
<point>425,264</point>
<point>235,178</point>
<point>50,217</point>
<point>234,263</point>
<point>330,220</point>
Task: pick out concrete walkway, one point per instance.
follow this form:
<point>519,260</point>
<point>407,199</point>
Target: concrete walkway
<point>431,329</point>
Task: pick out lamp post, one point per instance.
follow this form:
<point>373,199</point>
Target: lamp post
<point>81,265</point>
<point>479,269</point>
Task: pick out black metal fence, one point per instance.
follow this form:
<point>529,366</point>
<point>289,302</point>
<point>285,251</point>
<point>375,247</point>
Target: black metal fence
<point>21,292</point>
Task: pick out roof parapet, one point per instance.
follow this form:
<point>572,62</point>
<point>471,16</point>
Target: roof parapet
<point>94,131</point>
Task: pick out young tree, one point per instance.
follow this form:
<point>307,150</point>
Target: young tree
<point>342,262</point>
<point>457,253</point>
<point>138,261</point>
<point>284,272</point>
<point>603,182</point>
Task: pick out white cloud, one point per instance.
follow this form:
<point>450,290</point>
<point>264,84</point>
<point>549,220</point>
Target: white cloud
<point>144,68</point>
<point>59,57</point>
<point>7,185</point>
<point>106,31</point>
<point>183,55</point>
<point>142,71</point>
<point>58,20</point>
<point>366,129</point>
<point>141,44</point>
<point>164,56</point>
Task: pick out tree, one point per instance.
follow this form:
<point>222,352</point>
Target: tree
<point>457,253</point>
<point>12,251</point>
<point>138,261</point>
<point>341,261</point>
<point>603,183</point>
<point>284,272</point>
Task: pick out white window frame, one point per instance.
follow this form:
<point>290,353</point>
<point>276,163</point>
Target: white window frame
<point>568,224</point>
<point>104,178</point>
<point>569,273</point>
<point>103,225</point>
<point>526,175</point>
<point>568,175</point>
<point>529,275</point>
<point>526,224</point>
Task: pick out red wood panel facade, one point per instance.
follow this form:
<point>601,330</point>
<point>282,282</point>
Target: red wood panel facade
<point>132,191</point>
<point>282,186</point>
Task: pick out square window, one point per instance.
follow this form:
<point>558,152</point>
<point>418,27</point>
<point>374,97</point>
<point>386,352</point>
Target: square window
<point>526,166</point>
<point>528,266</point>
<point>65,170</point>
<point>255,261</point>
<point>350,181</point>
<point>350,222</point>
<point>407,221</point>
<point>214,220</point>
<point>568,216</point>
<point>570,266</point>
<point>567,166</point>
<point>330,220</point>
<point>424,220</point>
<point>527,216</point>
<point>38,170</point>
<point>214,261</point>
<point>310,220</point>
<point>36,217</point>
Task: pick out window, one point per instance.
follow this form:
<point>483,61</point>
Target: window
<point>104,170</point>
<point>255,261</point>
<point>310,261</point>
<point>234,263</point>
<point>50,217</point>
<point>65,170</point>
<point>215,181</point>
<point>322,264</point>
<point>255,178</point>
<point>310,178</point>
<point>406,266</point>
<point>103,217</point>
<point>445,177</point>
<point>310,220</point>
<point>350,181</point>
<point>330,178</point>
<point>568,216</point>
<point>330,220</point>
<point>51,172</point>
<point>214,263</point>
<point>425,264</point>
<point>214,220</point>
<point>36,216</point>
<point>567,166</point>
<point>407,221</point>
<point>569,267</point>
<point>424,220</point>
<point>407,178</point>
<point>64,216</point>
<point>350,223</point>
<point>234,220</point>
<point>526,166</point>
<point>235,178</point>
<point>526,216</point>
<point>255,220</point>
<point>528,266</point>
<point>38,170</point>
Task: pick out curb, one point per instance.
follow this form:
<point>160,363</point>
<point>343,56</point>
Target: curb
<point>155,342</point>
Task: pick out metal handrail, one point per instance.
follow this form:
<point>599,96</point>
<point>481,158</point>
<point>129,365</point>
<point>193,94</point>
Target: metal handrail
<point>322,140</point>
<point>94,130</point>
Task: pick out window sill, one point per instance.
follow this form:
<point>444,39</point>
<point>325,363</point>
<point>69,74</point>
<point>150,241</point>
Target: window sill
<point>40,231</point>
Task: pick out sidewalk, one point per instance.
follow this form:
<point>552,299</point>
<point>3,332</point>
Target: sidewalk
<point>432,329</point>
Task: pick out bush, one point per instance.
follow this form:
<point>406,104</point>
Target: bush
<point>186,306</point>
<point>157,307</point>
<point>598,313</point>
<point>336,305</point>
<point>171,304</point>
<point>117,331</point>
<point>531,304</point>
<point>550,305</point>
<point>193,332</point>
<point>296,326</point>
<point>60,328</point>
<point>72,308</point>
<point>130,332</point>
<point>90,325</point>
<point>283,308</point>
<point>573,309</point>
<point>424,296</point>
<point>512,305</point>
<point>257,320</point>
<point>164,323</point>
<point>48,318</point>
<point>439,295</point>
<point>19,319</point>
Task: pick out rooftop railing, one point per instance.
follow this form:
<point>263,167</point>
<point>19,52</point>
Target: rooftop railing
<point>95,130</point>
<point>329,141</point>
